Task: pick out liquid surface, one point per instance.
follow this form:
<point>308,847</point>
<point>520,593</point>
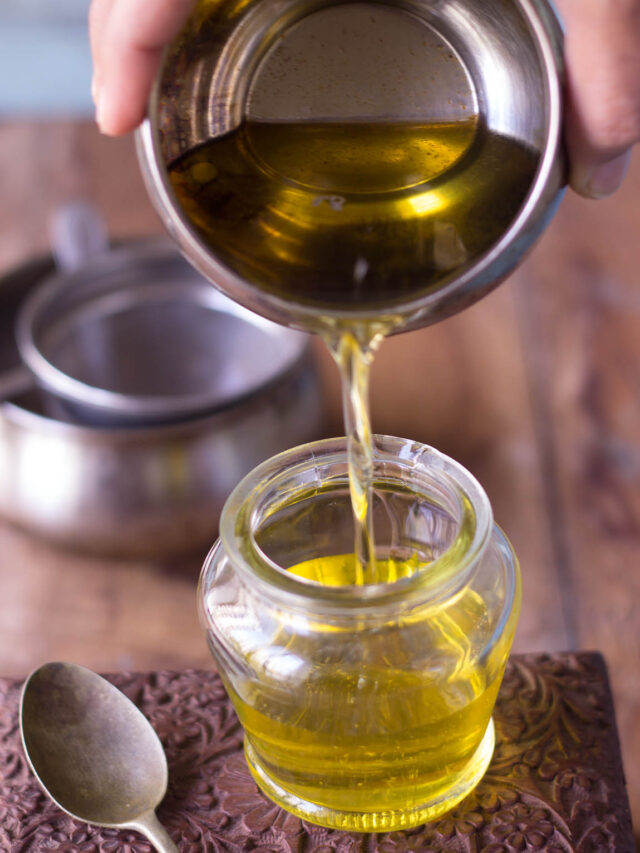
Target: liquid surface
<point>352,216</point>
<point>370,729</point>
<point>343,570</point>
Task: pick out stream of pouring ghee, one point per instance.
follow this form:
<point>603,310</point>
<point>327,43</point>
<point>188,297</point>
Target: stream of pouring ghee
<point>354,357</point>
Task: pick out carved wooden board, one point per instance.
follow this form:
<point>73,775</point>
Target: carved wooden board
<point>555,783</point>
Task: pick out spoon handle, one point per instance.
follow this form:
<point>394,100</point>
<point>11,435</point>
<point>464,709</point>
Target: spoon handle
<point>149,826</point>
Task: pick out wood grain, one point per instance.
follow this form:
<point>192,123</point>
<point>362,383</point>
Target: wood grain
<point>535,389</point>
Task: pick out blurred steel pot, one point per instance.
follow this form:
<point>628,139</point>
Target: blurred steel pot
<point>135,336</point>
<point>145,491</point>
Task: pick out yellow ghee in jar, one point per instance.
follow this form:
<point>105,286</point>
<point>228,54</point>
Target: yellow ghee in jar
<point>362,729</point>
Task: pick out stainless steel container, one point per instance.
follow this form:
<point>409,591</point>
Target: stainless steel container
<point>135,336</point>
<point>148,490</point>
<point>499,61</point>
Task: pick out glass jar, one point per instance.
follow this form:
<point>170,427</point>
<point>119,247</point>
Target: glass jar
<point>369,707</point>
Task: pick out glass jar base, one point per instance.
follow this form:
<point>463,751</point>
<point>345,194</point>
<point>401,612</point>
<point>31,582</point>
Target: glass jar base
<point>381,821</point>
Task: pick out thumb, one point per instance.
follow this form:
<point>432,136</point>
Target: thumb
<point>602,51</point>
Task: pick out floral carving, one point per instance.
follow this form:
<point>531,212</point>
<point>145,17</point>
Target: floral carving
<point>241,797</point>
<point>522,826</point>
<point>554,783</point>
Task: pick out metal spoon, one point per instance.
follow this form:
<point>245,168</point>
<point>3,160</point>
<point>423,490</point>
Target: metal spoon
<point>93,751</point>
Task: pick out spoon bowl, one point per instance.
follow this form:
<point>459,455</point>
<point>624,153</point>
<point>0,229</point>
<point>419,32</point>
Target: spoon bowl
<point>93,751</point>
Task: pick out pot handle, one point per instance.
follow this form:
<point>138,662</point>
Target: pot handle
<point>77,233</point>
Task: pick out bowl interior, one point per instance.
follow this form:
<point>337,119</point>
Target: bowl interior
<point>140,334</point>
<point>371,160</point>
<point>397,61</point>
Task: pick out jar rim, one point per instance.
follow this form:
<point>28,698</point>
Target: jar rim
<point>446,575</point>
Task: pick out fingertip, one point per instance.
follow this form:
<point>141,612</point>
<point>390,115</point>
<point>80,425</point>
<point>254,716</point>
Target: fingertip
<point>598,180</point>
<point>121,104</point>
<point>115,119</point>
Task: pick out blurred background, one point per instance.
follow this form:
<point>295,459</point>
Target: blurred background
<point>535,389</point>
<point>45,58</point>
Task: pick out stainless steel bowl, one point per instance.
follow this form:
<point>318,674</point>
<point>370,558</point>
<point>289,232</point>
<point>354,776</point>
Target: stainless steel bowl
<point>148,491</point>
<point>499,61</point>
<point>135,336</point>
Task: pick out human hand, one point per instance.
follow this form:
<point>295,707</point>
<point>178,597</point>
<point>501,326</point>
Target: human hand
<point>602,56</point>
<point>127,39</point>
<point>602,53</point>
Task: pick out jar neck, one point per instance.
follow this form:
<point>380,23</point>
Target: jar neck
<point>404,471</point>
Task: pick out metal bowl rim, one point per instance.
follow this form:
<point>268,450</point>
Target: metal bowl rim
<point>137,409</point>
<point>546,30</point>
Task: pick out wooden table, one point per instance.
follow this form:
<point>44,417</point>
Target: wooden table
<point>535,389</point>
